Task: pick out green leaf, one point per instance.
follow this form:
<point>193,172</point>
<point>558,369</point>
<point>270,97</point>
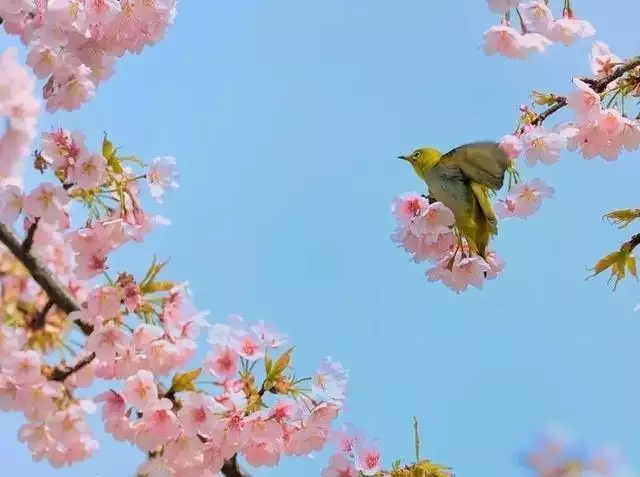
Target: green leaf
<point>281,364</point>
<point>622,217</point>
<point>184,381</point>
<point>268,363</point>
<point>108,151</point>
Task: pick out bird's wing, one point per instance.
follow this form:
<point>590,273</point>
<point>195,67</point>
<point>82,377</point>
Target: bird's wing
<point>482,200</point>
<point>481,162</point>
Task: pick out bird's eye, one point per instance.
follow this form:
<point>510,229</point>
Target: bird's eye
<point>416,155</point>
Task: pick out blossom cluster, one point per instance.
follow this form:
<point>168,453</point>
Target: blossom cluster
<point>356,455</point>
<point>19,108</point>
<point>57,429</point>
<point>191,432</point>
<point>557,453</point>
<point>426,232</point>
<point>538,28</point>
<point>74,43</point>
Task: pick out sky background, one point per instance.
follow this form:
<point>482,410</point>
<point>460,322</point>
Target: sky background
<point>286,119</point>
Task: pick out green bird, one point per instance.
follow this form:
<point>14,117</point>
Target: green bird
<point>460,180</point>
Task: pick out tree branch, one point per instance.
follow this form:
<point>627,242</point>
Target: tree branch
<point>598,86</point>
<point>43,276</point>
<point>28,241</point>
<point>232,469</point>
<point>60,373</point>
<point>41,318</point>
<point>633,242</point>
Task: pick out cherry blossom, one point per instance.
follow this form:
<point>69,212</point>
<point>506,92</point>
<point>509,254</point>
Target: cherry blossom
<point>543,146</point>
<point>568,29</point>
<point>524,199</point>
<point>602,60</point>
<point>160,176</point>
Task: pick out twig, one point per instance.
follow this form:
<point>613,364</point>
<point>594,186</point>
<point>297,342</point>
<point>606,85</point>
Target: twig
<point>28,242</point>
<point>43,277</point>
<point>632,243</point>
<point>60,373</point>
<point>232,469</point>
<point>40,319</point>
<point>596,85</point>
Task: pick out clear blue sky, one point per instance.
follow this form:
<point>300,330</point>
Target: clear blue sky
<point>286,118</point>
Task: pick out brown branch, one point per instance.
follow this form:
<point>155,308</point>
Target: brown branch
<point>43,276</point>
<point>41,318</point>
<point>598,86</point>
<point>60,373</point>
<point>632,243</point>
<point>232,469</point>
<point>28,241</point>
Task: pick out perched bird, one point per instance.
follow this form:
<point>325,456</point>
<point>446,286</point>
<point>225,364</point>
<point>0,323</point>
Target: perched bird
<point>461,179</point>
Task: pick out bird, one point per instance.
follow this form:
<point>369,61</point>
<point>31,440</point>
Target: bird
<point>461,180</point>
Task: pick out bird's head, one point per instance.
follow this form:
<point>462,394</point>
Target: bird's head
<point>423,160</point>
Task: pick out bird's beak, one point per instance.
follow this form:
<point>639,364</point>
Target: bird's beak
<point>404,158</point>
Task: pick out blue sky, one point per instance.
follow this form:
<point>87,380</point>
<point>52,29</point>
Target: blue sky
<point>286,118</point>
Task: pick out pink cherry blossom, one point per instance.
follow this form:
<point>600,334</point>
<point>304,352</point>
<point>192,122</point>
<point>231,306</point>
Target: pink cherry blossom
<point>496,265</point>
<point>512,145</point>
<point>8,394</point>
<point>504,40</point>
<point>23,367</point>
<point>330,381</point>
<point>222,361</point>
<point>502,6</point>
<point>602,60</point>
<point>367,458</point>
<point>43,60</point>
<point>543,146</point>
<point>90,265</point>
<point>534,42</point>
<point>183,452</point>
<point>145,334</point>
<point>158,425</point>
<point>525,198</point>
<point>451,276</point>
<point>568,29</point>
<point>140,390</point>
<point>106,341</point>
<point>37,400</point>
<point>90,171</point>
<point>199,413</point>
<point>161,175</point>
<point>161,357</point>
<point>47,202</point>
<point>105,302</point>
<point>69,425</point>
<point>537,16</point>
<point>434,220</point>
<point>340,466</point>
<point>11,203</point>
<point>269,337</point>
<point>114,406</point>
<point>37,437</point>
<point>472,270</point>
<point>263,442</point>
<point>630,135</point>
<point>585,102</point>
<point>132,297</point>
<point>407,207</point>
<point>424,247</point>
<point>120,428</point>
